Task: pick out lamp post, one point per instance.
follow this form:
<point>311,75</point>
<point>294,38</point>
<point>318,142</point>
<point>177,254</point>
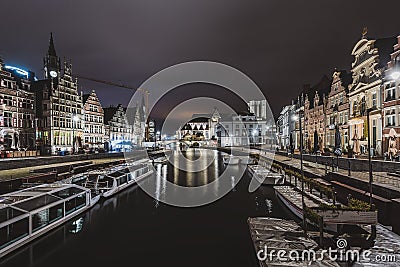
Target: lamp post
<point>373,227</point>
<point>253,133</point>
<point>369,156</point>
<point>75,119</point>
<point>301,169</point>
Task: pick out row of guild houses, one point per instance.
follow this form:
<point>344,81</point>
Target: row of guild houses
<point>347,100</point>
<point>50,115</point>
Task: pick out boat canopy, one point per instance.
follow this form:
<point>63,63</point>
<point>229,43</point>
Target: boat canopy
<point>27,212</point>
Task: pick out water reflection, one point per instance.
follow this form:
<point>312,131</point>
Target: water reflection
<point>176,172</point>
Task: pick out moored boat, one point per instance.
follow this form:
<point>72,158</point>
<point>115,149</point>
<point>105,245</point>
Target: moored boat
<point>123,177</point>
<point>231,160</point>
<point>245,160</point>
<point>272,237</point>
<point>291,198</point>
<point>34,211</point>
<point>265,176</point>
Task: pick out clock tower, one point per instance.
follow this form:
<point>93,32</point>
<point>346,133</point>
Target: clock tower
<point>52,65</point>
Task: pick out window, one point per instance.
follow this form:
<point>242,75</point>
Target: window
<point>374,99</point>
<point>391,120</point>
<point>390,92</point>
<point>354,108</point>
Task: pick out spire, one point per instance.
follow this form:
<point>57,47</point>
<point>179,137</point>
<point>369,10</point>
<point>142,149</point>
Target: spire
<point>364,32</point>
<point>52,50</point>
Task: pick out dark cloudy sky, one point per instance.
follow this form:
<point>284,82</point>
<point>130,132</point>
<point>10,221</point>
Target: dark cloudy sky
<point>280,44</point>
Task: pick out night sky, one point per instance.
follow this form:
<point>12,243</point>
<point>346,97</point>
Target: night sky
<point>281,44</point>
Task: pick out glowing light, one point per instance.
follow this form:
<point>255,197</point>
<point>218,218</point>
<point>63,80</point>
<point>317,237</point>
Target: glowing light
<point>395,75</point>
<point>19,71</point>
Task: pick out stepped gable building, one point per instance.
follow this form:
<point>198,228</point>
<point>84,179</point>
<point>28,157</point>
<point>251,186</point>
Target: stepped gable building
<point>17,109</point>
<point>391,99</point>
<point>93,122</point>
<point>59,106</point>
<point>118,128</point>
<point>337,109</point>
<point>370,60</point>
<point>314,114</point>
<point>201,127</point>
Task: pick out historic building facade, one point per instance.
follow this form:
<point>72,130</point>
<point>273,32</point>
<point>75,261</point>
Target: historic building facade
<point>370,59</point>
<point>93,122</point>
<point>201,127</point>
<point>244,129</point>
<point>391,98</point>
<point>118,128</point>
<point>337,109</point>
<point>258,108</point>
<point>314,122</point>
<point>59,107</point>
<point>286,126</point>
<point>17,109</point>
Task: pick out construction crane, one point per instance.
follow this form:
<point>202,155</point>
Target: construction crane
<point>145,92</point>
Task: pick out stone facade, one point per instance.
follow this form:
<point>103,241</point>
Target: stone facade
<point>391,98</point>
<point>59,106</point>
<point>93,122</point>
<point>337,109</point>
<point>119,129</point>
<point>285,126</point>
<point>370,59</point>
<point>17,109</point>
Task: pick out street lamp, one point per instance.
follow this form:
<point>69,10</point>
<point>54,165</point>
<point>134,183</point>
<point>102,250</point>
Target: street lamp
<point>369,155</point>
<point>298,117</point>
<point>75,119</point>
<point>395,75</point>
<point>254,133</point>
<point>373,227</point>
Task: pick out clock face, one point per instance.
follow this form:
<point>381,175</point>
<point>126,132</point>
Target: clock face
<point>53,74</point>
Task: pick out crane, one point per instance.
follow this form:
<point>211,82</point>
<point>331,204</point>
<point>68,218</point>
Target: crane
<point>145,92</point>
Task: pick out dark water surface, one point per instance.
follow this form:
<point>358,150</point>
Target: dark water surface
<point>133,229</point>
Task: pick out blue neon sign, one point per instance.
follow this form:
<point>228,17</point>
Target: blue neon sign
<point>19,71</point>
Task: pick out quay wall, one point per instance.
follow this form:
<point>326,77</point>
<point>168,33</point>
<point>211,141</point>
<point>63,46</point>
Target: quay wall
<point>8,164</point>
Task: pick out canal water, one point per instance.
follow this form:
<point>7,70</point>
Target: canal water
<point>133,229</point>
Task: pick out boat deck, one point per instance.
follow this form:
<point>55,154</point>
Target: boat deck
<point>294,196</point>
<point>275,235</point>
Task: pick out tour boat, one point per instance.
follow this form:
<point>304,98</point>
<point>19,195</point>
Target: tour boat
<point>122,177</point>
<point>265,176</point>
<point>30,213</point>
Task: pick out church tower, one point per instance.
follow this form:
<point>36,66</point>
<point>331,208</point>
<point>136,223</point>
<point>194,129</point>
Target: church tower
<point>52,65</point>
